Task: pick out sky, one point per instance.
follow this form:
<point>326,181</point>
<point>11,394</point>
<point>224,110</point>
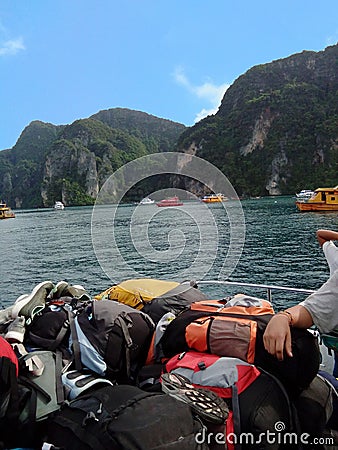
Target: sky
<point>65,60</point>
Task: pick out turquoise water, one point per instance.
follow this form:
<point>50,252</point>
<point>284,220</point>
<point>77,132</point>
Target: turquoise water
<point>190,242</point>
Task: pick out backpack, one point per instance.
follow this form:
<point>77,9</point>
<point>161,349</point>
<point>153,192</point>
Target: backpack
<point>36,392</point>
<point>333,381</point>
<point>8,390</point>
<point>154,297</point>
<point>317,398</point>
<point>40,384</point>
<point>50,329</point>
<point>9,368</point>
<point>257,400</point>
<point>221,327</point>
<point>230,328</point>
<point>235,328</point>
<point>111,339</point>
<point>175,301</point>
<point>124,417</point>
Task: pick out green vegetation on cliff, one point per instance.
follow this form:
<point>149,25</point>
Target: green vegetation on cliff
<point>276,130</point>
<point>71,163</point>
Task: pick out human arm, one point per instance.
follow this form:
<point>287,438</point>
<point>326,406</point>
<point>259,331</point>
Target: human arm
<point>326,235</point>
<point>277,335</point>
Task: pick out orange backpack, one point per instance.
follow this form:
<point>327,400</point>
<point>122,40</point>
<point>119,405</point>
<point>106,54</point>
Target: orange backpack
<point>220,327</point>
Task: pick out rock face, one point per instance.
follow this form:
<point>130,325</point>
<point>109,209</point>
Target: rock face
<point>259,133</point>
<point>276,130</point>
<point>80,164</point>
<point>71,163</point>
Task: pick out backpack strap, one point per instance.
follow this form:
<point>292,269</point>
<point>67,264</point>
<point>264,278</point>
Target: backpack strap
<point>125,322</point>
<point>62,333</point>
<point>60,392</point>
<point>236,414</point>
<point>75,340</point>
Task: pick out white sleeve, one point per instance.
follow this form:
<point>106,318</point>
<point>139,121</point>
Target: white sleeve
<point>331,255</point>
<point>323,305</point>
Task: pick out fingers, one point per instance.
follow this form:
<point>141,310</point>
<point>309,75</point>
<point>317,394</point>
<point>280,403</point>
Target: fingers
<point>274,346</point>
<point>277,338</point>
<point>288,344</point>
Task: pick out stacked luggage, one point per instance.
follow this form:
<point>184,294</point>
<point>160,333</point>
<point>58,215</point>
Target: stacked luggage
<point>152,364</point>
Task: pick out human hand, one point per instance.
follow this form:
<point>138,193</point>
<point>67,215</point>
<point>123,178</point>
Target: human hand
<point>277,337</point>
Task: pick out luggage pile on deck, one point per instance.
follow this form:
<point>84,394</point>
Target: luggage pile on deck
<point>152,364</point>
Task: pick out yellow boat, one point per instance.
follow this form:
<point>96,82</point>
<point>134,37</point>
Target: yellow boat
<point>323,199</point>
<point>6,212</point>
<point>214,198</point>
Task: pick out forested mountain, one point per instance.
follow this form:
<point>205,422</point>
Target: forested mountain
<point>276,130</point>
<point>71,162</point>
<point>157,134</point>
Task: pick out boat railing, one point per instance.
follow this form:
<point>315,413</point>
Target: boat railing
<point>268,287</point>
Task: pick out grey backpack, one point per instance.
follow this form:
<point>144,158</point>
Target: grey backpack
<point>111,339</point>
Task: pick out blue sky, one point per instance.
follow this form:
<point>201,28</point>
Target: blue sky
<point>67,59</point>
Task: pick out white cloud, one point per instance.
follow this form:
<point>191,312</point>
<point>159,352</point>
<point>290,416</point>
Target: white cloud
<point>12,47</point>
<point>208,91</point>
<point>333,39</point>
<point>204,113</point>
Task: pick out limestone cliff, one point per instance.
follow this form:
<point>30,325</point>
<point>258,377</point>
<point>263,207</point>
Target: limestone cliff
<point>70,163</point>
<point>276,130</point>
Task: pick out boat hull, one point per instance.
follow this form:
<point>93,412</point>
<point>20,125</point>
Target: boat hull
<point>7,216</point>
<point>309,206</point>
<point>169,204</point>
<point>147,201</point>
<point>204,200</point>
<point>214,198</point>
<point>171,201</point>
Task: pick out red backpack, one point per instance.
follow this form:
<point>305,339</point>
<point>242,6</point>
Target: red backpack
<point>256,400</point>
<point>9,369</point>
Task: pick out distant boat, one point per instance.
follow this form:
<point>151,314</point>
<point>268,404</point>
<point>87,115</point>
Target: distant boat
<point>305,194</point>
<point>147,201</point>
<point>323,199</point>
<point>59,205</point>
<point>170,201</point>
<point>6,212</point>
<point>214,198</point>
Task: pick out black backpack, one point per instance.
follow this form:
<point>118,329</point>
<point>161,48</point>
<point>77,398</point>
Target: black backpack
<point>49,330</point>
<point>124,417</point>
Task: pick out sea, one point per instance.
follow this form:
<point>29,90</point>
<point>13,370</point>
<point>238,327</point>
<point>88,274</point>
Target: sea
<point>264,241</point>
